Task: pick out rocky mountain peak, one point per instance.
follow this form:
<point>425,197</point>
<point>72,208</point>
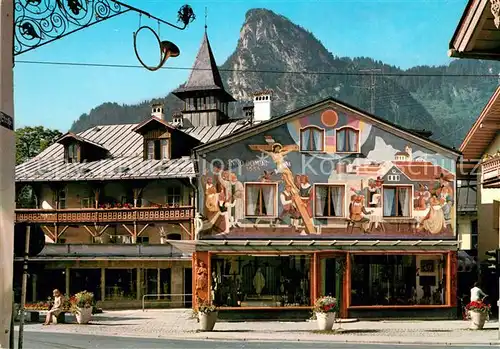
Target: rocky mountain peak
<point>274,53</point>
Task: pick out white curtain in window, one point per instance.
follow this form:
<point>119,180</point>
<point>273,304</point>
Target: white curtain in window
<point>341,141</point>
<point>389,196</point>
<point>269,198</point>
<point>318,139</point>
<point>352,140</point>
<point>252,197</point>
<point>306,139</point>
<point>337,200</point>
<point>404,197</point>
<point>320,196</point>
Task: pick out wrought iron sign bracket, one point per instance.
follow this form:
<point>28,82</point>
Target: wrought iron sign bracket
<point>40,22</point>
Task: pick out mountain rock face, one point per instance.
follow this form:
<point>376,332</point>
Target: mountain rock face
<point>273,53</point>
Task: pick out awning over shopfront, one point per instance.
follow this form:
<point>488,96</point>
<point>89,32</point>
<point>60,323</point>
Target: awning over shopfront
<point>249,246</point>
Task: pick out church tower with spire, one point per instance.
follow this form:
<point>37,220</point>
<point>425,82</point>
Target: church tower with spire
<point>205,99</point>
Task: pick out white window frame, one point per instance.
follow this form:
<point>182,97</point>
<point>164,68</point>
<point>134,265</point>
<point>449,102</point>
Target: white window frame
<point>275,201</point>
<point>410,199</point>
<point>323,138</point>
<point>345,206</point>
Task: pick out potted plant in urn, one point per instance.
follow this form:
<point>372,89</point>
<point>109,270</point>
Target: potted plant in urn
<point>478,313</point>
<point>207,315</point>
<point>325,309</point>
<point>81,306</point>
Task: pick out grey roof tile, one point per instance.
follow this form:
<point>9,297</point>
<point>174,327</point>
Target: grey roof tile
<point>126,151</point>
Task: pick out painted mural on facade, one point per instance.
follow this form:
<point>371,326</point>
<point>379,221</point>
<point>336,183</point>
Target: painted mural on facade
<point>327,175</point>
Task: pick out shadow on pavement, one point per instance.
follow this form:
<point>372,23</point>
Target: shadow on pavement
<point>226,331</point>
<point>437,330</point>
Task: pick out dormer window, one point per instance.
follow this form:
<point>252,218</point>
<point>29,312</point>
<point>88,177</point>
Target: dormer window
<point>165,149</point>
<point>158,149</point>
<point>72,153</point>
<point>151,150</point>
<point>158,137</point>
<point>78,149</point>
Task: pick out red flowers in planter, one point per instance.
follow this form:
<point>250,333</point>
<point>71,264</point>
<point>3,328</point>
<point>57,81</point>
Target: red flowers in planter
<point>479,307</point>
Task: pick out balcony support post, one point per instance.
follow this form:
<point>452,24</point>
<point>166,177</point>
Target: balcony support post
<point>62,231</point>
<point>134,236</point>
<point>103,284</point>
<point>67,275</point>
<point>138,283</point>
<point>143,229</point>
<point>128,230</point>
<point>56,233</point>
<point>186,230</point>
<point>158,283</point>
<point>49,232</point>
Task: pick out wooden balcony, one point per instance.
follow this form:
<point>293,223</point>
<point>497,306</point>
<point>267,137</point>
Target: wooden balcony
<point>111,215</point>
<point>490,172</point>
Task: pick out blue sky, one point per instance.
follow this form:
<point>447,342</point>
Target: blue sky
<point>399,32</point>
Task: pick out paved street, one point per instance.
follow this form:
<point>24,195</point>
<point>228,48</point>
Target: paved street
<point>72,341</point>
<point>177,324</point>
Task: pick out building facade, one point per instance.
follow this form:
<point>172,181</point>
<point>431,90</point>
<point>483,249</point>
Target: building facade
<point>114,199</point>
<point>326,200</point>
<point>480,149</point>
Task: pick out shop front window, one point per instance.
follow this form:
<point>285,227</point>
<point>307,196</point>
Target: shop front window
<point>398,280</point>
<point>254,281</point>
<point>121,284</point>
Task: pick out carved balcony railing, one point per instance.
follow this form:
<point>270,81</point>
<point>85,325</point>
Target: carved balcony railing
<point>112,215</point>
<point>490,172</point>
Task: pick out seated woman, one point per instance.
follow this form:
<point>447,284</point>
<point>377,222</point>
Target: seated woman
<point>56,308</point>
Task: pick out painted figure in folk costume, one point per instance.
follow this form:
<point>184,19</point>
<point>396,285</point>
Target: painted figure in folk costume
<point>211,206</point>
<point>202,276</point>
<point>434,222</point>
<point>305,190</point>
<point>422,197</point>
<point>289,208</point>
<point>237,195</point>
<point>358,212</point>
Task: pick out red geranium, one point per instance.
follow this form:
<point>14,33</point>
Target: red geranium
<point>478,307</point>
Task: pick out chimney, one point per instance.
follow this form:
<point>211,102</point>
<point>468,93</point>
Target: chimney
<point>262,106</point>
<point>157,111</point>
<point>177,119</point>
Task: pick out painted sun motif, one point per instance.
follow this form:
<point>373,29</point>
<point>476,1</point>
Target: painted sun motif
<point>329,118</point>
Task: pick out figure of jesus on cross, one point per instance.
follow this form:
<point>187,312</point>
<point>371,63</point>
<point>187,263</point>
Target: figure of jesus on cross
<point>277,152</point>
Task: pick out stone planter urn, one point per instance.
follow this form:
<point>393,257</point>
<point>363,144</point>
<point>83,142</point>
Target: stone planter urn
<point>207,320</point>
<point>325,321</point>
<point>477,320</point>
<point>83,315</point>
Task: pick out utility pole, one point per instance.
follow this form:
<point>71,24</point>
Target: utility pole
<point>23,289</point>
<point>7,168</point>
<point>372,86</point>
